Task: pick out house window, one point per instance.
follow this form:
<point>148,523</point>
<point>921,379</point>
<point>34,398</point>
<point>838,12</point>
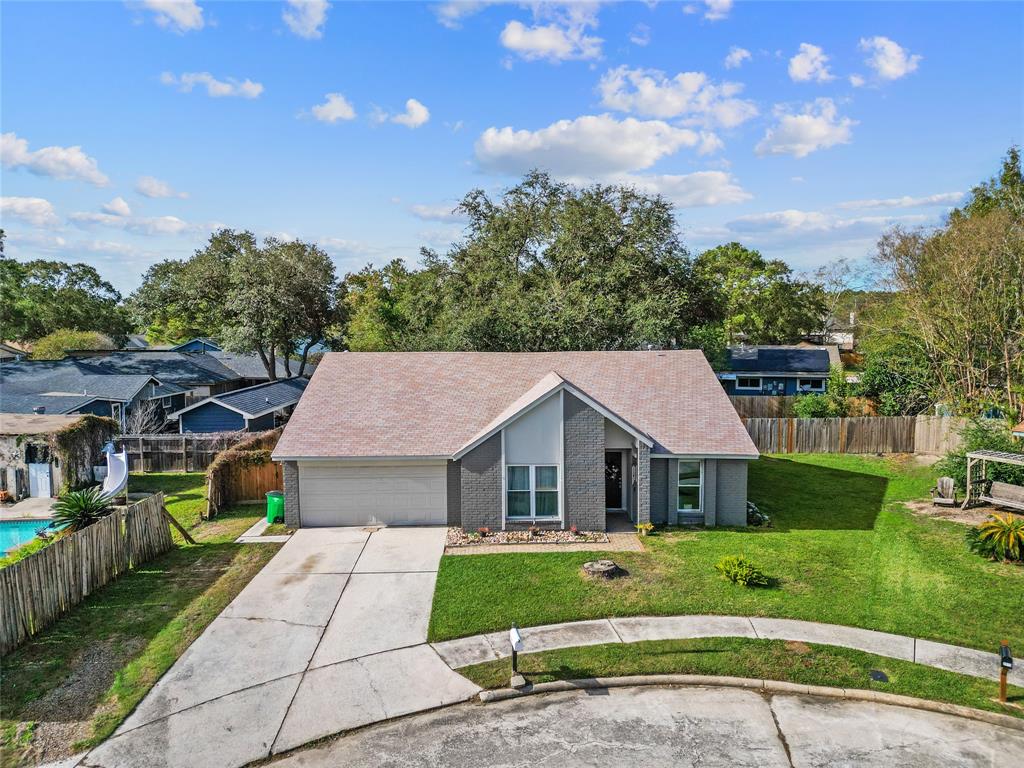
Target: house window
<point>166,402</point>
<point>690,482</point>
<point>810,385</point>
<point>748,382</point>
<point>532,491</point>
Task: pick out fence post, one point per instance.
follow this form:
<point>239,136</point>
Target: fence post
<point>142,457</point>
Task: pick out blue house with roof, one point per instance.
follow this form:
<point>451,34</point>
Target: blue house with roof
<point>252,409</point>
<point>777,370</point>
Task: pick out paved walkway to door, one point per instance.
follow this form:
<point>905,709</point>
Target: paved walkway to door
<point>330,635</point>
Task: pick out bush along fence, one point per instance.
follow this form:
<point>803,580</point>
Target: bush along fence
<point>932,435</point>
<point>243,472</point>
<point>174,453</point>
<point>38,590</point>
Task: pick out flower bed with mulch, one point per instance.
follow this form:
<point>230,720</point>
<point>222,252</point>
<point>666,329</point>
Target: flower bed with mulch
<point>460,538</point>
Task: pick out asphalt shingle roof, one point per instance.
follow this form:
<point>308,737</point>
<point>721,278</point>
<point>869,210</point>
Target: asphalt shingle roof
<point>778,360</point>
<point>432,403</point>
<point>264,397</point>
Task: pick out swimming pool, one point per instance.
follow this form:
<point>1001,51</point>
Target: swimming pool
<point>13,533</point>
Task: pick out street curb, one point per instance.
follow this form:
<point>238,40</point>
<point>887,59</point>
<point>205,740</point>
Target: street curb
<point>766,686</point>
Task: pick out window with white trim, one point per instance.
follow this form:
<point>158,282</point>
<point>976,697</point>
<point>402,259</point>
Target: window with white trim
<point>166,402</point>
<point>532,491</point>
<point>689,482</point>
<point>748,382</point>
<point>810,385</point>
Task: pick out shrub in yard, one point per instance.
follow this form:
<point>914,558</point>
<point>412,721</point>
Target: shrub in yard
<point>1001,537</point>
<point>76,510</point>
<point>739,570</point>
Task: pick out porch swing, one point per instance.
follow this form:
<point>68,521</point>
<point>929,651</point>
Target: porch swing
<point>984,491</point>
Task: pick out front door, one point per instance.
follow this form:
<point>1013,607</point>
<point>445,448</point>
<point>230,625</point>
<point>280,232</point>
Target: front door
<point>39,481</point>
<point>613,480</point>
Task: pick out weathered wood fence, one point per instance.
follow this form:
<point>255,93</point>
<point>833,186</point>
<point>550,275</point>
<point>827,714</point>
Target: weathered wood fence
<point>173,453</point>
<point>38,590</point>
<point>933,435</point>
<point>243,472</point>
<point>763,406</point>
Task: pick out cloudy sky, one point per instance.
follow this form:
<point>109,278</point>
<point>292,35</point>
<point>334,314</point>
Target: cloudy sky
<point>130,130</point>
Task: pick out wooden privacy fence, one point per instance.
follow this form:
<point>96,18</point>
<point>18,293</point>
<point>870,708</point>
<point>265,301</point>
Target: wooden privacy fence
<point>173,453</point>
<point>763,406</point>
<point>243,472</point>
<point>38,590</point>
<point>860,434</point>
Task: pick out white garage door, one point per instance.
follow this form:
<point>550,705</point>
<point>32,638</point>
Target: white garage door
<point>343,494</point>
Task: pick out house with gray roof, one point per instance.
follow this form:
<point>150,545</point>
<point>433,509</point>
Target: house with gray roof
<point>511,440</point>
<point>778,369</point>
<point>252,409</point>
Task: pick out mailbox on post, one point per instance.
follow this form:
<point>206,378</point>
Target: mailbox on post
<point>516,640</point>
<point>1005,665</point>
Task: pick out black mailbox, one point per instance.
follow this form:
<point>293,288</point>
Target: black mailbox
<point>1005,659</point>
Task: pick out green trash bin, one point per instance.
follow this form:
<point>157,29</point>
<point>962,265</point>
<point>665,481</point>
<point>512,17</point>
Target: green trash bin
<point>275,507</point>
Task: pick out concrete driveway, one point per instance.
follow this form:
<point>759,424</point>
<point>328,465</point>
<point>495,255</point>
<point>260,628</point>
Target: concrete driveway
<point>330,635</point>
<point>674,728</point>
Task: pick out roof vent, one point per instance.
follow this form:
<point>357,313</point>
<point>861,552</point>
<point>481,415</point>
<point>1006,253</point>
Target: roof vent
<point>266,399</point>
<point>40,409</point>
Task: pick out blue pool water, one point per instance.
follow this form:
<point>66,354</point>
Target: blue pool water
<point>16,532</point>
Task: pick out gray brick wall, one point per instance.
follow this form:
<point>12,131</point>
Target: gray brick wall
<point>480,491</point>
<point>290,470</point>
<point>659,492</point>
<point>584,465</point>
<point>643,484</point>
<point>731,489</point>
<point>454,492</point>
<point>710,491</point>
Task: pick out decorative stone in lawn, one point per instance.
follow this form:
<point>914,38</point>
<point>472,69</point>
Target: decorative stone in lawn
<point>603,569</point>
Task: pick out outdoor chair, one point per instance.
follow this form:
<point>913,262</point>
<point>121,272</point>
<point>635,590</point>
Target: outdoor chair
<point>944,492</point>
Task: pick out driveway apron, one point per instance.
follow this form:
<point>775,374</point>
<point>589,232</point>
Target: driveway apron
<point>330,635</point>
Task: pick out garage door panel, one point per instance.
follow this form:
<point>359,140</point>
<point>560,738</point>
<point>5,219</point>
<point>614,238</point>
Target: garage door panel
<point>340,494</point>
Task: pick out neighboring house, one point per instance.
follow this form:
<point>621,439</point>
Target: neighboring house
<point>27,464</point>
<point>252,409</point>
<point>197,345</point>
<point>778,370</point>
<point>508,440</point>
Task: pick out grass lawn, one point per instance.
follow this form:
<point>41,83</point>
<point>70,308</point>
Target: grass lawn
<point>843,549</point>
<point>71,686</point>
<point>741,657</point>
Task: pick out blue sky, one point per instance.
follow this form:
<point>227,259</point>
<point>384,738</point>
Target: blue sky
<point>802,129</point>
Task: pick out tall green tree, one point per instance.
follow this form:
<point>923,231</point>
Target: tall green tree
<point>43,296</point>
<point>761,301</point>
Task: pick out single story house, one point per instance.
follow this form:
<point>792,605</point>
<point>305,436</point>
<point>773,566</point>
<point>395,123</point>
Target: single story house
<point>203,344</point>
<point>252,409</point>
<point>28,466</point>
<point>777,369</point>
<point>509,440</point>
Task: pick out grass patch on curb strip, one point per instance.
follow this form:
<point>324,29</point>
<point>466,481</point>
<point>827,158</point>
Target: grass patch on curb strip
<point>844,549</point>
<point>807,664</point>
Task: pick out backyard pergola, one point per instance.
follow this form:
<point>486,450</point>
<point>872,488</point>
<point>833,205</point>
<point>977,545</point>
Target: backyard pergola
<point>996,457</point>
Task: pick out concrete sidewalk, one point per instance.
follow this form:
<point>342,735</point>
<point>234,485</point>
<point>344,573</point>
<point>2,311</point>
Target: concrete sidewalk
<point>330,635</point>
<point>967,661</point>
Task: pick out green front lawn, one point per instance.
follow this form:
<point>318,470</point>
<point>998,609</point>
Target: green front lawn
<point>75,682</point>
<point>741,657</point>
<point>843,549</point>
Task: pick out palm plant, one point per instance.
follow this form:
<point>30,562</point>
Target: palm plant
<point>1005,535</point>
<point>76,510</point>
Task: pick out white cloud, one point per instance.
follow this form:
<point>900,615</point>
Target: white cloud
<point>306,18</point>
<point>641,35</point>
<point>117,207</point>
<point>564,38</point>
<point>335,108</point>
<point>943,199</point>
<point>141,225</point>
<point>246,89</point>
<point>690,190</point>
<point>714,10</point>
<point>587,146</point>
<point>890,60</point>
<point>736,57</point>
<point>810,63</point>
<point>856,81</point>
<point>66,163</point>
<point>450,14</point>
<point>414,116</point>
<point>32,210</point>
<point>177,15</point>
<point>150,186</point>
<point>440,212</point>
<point>651,93</point>
<point>817,126</point>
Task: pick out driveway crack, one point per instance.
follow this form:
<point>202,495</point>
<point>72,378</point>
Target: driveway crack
<point>781,735</point>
